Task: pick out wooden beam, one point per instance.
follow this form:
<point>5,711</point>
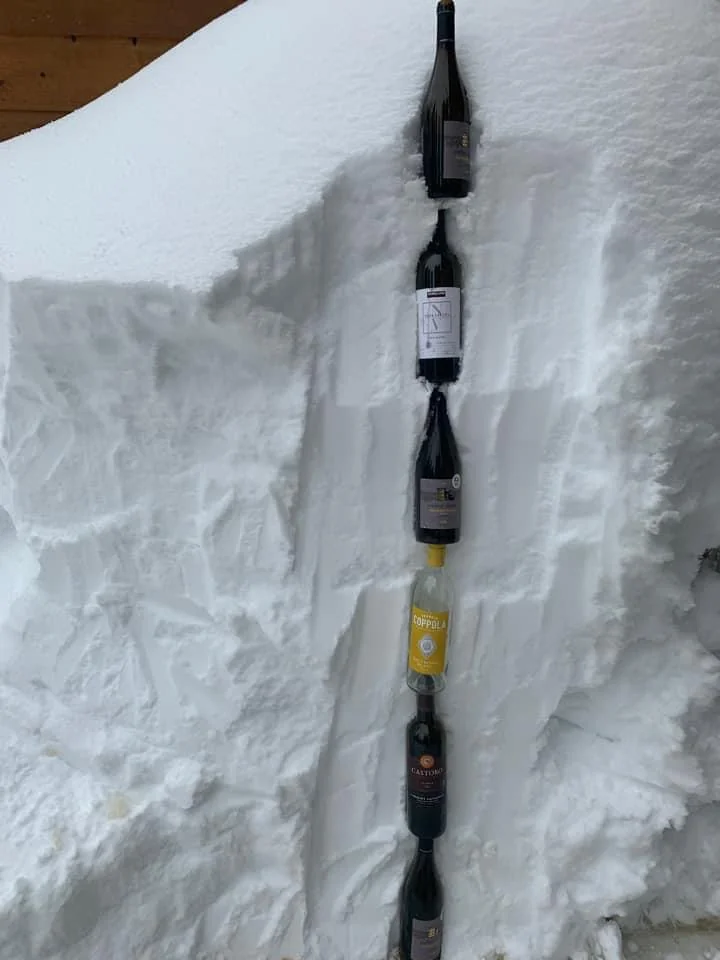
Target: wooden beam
<point>157,19</point>
<point>59,75</point>
<point>15,122</point>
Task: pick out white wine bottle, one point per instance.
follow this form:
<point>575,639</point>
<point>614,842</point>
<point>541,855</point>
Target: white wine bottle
<point>430,615</point>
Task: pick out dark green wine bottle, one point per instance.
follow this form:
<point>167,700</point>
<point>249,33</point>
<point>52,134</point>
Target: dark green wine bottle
<point>438,478</point>
<point>425,777</point>
<point>445,117</point>
<point>438,292</point>
<point>421,908</point>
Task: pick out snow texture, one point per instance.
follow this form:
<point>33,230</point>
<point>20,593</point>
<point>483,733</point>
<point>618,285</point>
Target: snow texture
<point>209,416</point>
<point>684,884</point>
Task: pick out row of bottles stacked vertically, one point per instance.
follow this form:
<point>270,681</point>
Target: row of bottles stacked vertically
<point>445,147</point>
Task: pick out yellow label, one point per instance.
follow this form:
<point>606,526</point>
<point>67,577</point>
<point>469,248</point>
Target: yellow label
<point>428,641</point>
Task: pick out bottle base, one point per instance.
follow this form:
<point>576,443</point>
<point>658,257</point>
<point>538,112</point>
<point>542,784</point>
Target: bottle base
<point>424,834</point>
<point>436,539</point>
<point>448,190</point>
<point>436,381</point>
<point>438,373</point>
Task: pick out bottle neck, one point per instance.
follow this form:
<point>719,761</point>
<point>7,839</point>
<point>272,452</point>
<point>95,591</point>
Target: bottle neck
<point>425,846</point>
<point>439,234</point>
<point>425,706</point>
<point>437,405</point>
<point>431,414</point>
<point>446,24</point>
<point>435,555</point>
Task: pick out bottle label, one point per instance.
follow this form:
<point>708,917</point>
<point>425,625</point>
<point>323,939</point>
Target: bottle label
<point>440,504</point>
<point>426,942</point>
<point>426,779</point>
<point>428,641</point>
<point>438,314</point>
<point>456,150</point>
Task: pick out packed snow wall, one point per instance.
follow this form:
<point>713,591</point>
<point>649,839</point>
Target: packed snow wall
<point>208,421</point>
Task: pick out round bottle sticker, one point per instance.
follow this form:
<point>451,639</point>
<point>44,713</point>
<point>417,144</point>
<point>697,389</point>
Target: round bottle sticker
<point>456,481</point>
<point>427,645</point>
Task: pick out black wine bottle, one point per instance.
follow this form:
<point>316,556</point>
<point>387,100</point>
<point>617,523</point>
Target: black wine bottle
<point>438,283</point>
<point>445,117</point>
<point>421,908</point>
<point>425,790</point>
<point>438,478</point>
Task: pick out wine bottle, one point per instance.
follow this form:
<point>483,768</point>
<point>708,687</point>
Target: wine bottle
<point>445,117</point>
<point>438,282</point>
<point>421,908</point>
<point>438,478</point>
<point>429,632</point>
<point>425,799</point>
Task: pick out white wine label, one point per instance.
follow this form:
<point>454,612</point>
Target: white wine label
<point>426,943</point>
<point>427,648</point>
<point>440,504</point>
<point>456,150</point>
<point>438,315</point>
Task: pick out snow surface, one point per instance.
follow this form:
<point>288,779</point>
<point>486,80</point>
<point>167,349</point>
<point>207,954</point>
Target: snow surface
<point>209,416</point>
<point>684,884</point>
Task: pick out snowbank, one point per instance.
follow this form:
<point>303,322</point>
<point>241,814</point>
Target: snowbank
<point>684,883</point>
<point>206,542</point>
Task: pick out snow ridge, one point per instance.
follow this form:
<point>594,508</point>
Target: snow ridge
<point>203,665</point>
<point>205,534</point>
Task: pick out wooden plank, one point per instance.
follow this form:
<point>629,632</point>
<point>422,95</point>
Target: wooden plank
<point>58,74</point>
<point>15,122</point>
<point>157,19</point>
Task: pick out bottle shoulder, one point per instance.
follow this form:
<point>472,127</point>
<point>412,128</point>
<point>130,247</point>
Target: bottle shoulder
<point>432,583</point>
<point>439,257</point>
<point>427,873</point>
<point>438,454</point>
<point>445,85</point>
<point>426,731</point>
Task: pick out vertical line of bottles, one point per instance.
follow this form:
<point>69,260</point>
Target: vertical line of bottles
<point>446,159</point>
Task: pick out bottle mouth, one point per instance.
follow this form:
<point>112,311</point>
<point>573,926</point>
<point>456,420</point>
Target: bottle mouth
<point>436,555</point>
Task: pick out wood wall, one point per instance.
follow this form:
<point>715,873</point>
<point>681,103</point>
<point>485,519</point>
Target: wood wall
<point>56,55</point>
